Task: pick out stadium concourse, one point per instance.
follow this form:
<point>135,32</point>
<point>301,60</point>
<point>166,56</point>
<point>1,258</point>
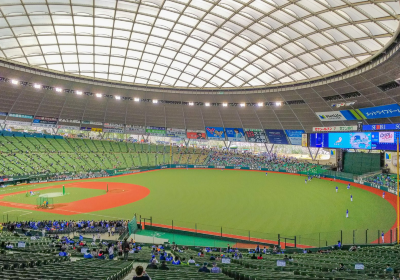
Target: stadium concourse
<point>110,109</point>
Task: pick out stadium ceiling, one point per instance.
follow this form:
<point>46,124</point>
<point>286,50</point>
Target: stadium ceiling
<point>197,44</point>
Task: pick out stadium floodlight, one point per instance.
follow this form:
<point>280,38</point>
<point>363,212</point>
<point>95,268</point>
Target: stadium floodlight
<point>278,103</point>
<point>207,104</point>
<point>99,95</point>
<point>118,97</point>
<point>14,82</point>
<point>191,103</point>
<point>78,92</point>
<point>58,89</point>
<point>225,104</point>
<point>260,104</point>
<point>242,104</point>
<point>155,101</point>
<point>136,99</point>
<point>37,86</point>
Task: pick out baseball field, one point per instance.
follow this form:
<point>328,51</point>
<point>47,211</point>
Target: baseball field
<point>237,201</point>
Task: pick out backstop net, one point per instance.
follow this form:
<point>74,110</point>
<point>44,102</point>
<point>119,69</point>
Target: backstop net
<point>132,226</point>
<point>44,202</point>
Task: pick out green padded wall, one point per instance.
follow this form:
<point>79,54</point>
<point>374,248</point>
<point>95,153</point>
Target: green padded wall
<point>360,163</point>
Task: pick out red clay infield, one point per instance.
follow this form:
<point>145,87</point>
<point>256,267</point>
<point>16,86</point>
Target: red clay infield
<point>119,194</point>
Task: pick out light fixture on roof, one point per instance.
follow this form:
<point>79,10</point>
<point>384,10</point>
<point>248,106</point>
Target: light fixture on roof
<point>225,104</point>
<point>118,97</point>
<point>37,86</point>
<point>278,103</point>
<point>260,104</point>
<point>14,82</point>
<point>191,103</point>
<point>207,104</point>
<point>78,92</point>
<point>155,101</point>
<point>99,95</point>
<point>136,99</point>
<point>58,89</point>
<point>242,104</point>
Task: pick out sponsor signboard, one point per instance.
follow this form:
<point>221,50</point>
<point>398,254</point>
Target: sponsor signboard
<point>155,131</point>
<point>216,133</point>
<point>330,116</point>
<point>4,114</point>
<point>113,125</point>
<point>385,111</point>
<point>135,129</point>
<point>113,130</point>
<point>388,126</point>
<point>71,127</point>
<point>196,135</point>
<point>386,137</point>
<point>93,123</point>
<point>20,116</point>
<point>94,129</point>
<point>235,134</point>
<point>335,128</point>
<point>46,119</point>
<point>176,133</point>
<point>276,136</point>
<point>255,135</point>
<point>304,140</point>
<point>8,122</point>
<point>44,124</point>
<point>295,136</point>
<point>69,121</point>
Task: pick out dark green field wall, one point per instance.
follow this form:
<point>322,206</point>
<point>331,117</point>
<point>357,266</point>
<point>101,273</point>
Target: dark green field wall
<point>359,163</point>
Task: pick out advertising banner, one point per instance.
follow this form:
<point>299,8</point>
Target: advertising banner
<point>8,122</point>
<point>69,121</point>
<point>70,127</point>
<point>113,125</point>
<point>335,128</point>
<point>255,135</point>
<point>388,126</point>
<point>135,129</point>
<point>356,140</point>
<point>39,123</point>
<point>196,134</point>
<point>276,136</point>
<point>176,133</point>
<point>50,119</point>
<point>215,133</point>
<point>385,111</point>
<point>20,116</point>
<point>3,114</point>
<point>235,134</point>
<point>113,130</point>
<point>155,131</point>
<point>304,140</point>
<point>295,136</point>
<point>93,123</point>
<point>94,129</point>
<point>385,140</point>
<point>330,116</point>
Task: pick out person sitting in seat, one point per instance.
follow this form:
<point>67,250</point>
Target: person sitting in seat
<point>253,257</point>
<point>191,261</point>
<point>141,274</point>
<point>212,258</point>
<point>260,257</point>
<point>163,266</point>
<point>388,269</point>
<point>87,255</point>
<point>152,265</point>
<point>215,269</point>
<point>63,253</point>
<point>204,268</point>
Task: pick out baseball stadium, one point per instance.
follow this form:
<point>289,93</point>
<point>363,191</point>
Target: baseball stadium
<point>199,139</point>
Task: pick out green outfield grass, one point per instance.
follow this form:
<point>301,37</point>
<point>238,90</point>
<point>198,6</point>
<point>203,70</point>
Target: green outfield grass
<point>242,201</point>
<point>73,194</point>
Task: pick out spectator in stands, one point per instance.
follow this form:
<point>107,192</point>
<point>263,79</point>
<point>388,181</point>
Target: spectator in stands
<point>152,265</point>
<point>110,251</point>
<point>163,266</point>
<point>126,249</point>
<point>215,269</point>
<point>176,261</point>
<point>204,268</point>
<point>9,246</point>
<point>101,255</point>
<point>388,269</point>
<point>260,257</point>
<point>63,253</point>
<point>286,259</point>
<point>212,258</point>
<point>191,261</point>
<point>253,257</point>
<point>141,273</point>
<point>341,267</point>
<point>87,255</point>
<point>169,258</point>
